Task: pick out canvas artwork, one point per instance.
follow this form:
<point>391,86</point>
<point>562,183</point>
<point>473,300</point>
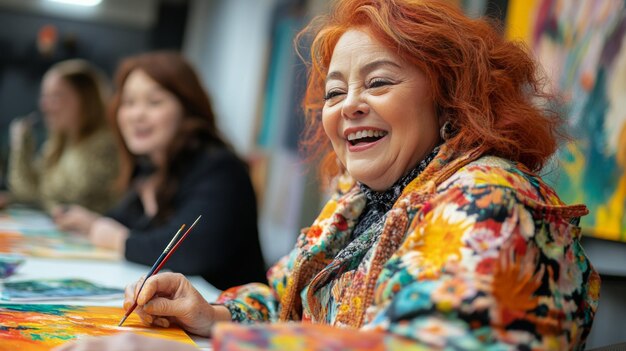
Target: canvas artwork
<point>42,327</point>
<point>57,289</point>
<point>580,44</point>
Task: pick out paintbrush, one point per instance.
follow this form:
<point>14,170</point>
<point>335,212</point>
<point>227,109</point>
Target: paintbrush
<point>163,258</point>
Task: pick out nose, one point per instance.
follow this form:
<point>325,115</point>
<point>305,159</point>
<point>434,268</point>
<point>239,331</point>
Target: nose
<point>354,106</point>
<point>135,112</point>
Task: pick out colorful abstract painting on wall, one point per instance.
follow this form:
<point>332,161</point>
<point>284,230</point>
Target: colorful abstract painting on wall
<point>41,327</point>
<point>581,45</point>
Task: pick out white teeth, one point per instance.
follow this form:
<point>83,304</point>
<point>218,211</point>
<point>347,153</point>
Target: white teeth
<point>366,133</point>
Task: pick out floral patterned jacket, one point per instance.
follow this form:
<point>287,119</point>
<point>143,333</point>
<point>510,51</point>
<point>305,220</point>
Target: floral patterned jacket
<point>477,253</point>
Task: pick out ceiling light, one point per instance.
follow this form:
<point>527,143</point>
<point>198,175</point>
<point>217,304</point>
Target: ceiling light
<point>78,2</point>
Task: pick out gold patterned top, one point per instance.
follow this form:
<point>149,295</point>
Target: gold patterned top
<point>83,175</point>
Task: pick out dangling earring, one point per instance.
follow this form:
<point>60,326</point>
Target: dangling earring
<point>445,132</point>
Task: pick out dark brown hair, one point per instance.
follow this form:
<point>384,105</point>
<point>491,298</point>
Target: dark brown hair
<point>196,131</point>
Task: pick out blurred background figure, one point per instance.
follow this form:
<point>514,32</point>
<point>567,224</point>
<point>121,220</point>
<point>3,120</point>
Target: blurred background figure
<point>176,166</point>
<point>75,164</point>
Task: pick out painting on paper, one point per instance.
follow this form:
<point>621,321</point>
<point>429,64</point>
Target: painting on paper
<point>32,233</point>
<point>42,327</point>
<point>53,245</point>
<point>581,45</point>
<point>57,289</point>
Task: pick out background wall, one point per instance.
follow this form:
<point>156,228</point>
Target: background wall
<point>231,58</point>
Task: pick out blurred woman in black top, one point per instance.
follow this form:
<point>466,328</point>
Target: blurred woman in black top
<point>176,166</point>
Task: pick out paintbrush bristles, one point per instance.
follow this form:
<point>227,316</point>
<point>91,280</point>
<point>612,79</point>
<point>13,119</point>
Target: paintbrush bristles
<point>123,320</point>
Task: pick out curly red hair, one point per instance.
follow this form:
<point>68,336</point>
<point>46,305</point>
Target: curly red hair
<point>486,86</point>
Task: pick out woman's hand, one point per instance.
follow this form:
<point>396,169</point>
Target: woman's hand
<point>170,298</point>
<point>73,218</point>
<point>108,233</point>
<point>125,342</point>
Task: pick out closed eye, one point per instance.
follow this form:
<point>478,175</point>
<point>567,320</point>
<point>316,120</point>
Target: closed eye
<point>377,83</point>
<point>331,94</point>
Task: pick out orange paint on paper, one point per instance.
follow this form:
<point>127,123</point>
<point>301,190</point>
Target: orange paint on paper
<point>9,241</point>
<point>42,327</point>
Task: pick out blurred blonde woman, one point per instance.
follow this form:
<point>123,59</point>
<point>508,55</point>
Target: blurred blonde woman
<point>78,162</point>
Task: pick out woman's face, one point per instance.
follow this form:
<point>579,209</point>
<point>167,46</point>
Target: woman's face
<point>59,103</point>
<point>149,116</point>
<point>378,114</point>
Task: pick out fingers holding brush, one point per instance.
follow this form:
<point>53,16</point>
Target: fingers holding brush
<point>130,294</point>
<point>170,298</point>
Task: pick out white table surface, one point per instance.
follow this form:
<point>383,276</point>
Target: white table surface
<point>109,273</point>
<point>115,274</point>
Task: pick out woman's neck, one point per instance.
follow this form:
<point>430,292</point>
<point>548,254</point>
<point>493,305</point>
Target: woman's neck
<point>158,159</point>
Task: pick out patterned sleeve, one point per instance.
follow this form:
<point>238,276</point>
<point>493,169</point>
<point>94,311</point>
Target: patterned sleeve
<point>23,172</point>
<point>260,303</point>
<point>250,303</point>
<point>479,269</point>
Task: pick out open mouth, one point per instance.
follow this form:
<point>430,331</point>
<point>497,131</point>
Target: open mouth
<point>142,132</point>
<point>365,136</point>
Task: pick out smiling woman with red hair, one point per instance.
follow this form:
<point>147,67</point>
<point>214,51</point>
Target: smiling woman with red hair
<point>483,85</point>
<point>440,234</point>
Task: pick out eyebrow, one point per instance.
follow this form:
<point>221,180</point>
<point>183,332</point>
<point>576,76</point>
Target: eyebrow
<point>365,69</point>
<point>334,75</point>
